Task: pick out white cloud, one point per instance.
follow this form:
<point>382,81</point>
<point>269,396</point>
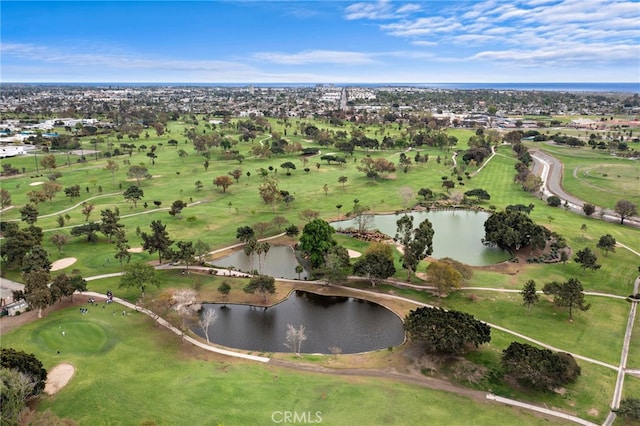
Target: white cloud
<point>378,10</point>
<point>315,57</point>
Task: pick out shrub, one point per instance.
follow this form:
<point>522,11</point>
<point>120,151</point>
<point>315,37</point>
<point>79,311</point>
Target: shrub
<point>554,201</point>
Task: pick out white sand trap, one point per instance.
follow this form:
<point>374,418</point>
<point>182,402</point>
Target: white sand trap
<point>58,377</point>
<point>35,183</point>
<point>63,263</point>
<point>353,254</point>
<point>135,250</point>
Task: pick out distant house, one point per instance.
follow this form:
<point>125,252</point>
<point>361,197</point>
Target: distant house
<point>582,123</point>
<point>10,151</point>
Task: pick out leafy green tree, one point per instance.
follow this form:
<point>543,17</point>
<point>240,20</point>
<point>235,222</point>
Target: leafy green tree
<point>27,364</point>
<point>425,193</point>
<point>5,198</point>
<point>299,270</point>
<point>109,225</point>
<point>122,248</point>
<point>607,243</point>
<point>29,214</point>
<point>50,189</point>
<point>288,166</point>
<point>451,332</point>
<point>444,277</point>
<point>186,253</point>
<point>177,207</point>
<point>376,264</point>
<point>479,194</point>
<point>512,230</point>
<point>201,249</point>
<point>529,295</point>
<point>36,259</point>
<point>291,231</point>
<point>269,192</point>
<point>61,286</point>
<point>59,240</point>
<point>88,229</point>
<point>263,284</point>
<point>48,162</point>
<point>554,201</point>
<point>72,191</point>
<point>157,241</point>
<point>137,172</point>
<point>133,194</point>
<point>245,233</point>
<point>112,167</point>
<point>625,208</point>
<point>316,240</point>
<point>587,259</point>
<point>36,292</point>
<point>224,289</point>
<point>588,209</point>
<point>629,409</point>
<point>139,275</point>
<point>539,369</point>
<point>16,389</point>
<point>17,243</point>
<point>336,265</point>
<point>343,180</point>
<point>416,243</point>
<point>569,294</point>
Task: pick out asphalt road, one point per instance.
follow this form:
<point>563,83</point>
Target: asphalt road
<point>551,170</point>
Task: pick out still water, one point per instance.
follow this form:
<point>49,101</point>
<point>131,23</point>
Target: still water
<point>457,234</point>
<point>353,325</point>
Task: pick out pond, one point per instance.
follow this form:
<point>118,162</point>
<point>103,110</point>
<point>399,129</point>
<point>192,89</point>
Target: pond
<point>279,262</point>
<point>353,325</point>
<point>457,234</point>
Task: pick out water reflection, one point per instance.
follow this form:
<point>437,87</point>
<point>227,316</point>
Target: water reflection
<point>353,325</point>
<point>458,234</point>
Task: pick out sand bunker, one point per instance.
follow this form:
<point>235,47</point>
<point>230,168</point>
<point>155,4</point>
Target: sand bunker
<point>135,250</point>
<point>58,377</point>
<point>63,263</point>
<point>35,183</point>
<point>354,254</point>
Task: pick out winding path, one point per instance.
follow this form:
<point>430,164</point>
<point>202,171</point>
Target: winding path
<point>550,170</point>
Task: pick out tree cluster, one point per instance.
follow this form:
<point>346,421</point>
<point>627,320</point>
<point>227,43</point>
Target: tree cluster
<point>513,230</point>
<point>539,369</point>
<point>450,332</point>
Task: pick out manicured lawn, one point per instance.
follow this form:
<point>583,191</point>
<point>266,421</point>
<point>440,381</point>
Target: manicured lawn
<point>146,374</point>
<point>596,176</point>
<point>130,355</point>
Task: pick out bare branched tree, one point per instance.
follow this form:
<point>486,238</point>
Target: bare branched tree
<point>295,337</point>
<point>207,319</point>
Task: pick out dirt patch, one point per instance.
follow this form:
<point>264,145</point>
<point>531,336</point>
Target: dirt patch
<point>63,263</point>
<point>35,183</point>
<point>58,377</point>
<point>135,250</point>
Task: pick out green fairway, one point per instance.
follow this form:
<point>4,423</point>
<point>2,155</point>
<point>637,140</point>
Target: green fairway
<point>130,372</point>
<point>190,387</point>
<point>597,177</point>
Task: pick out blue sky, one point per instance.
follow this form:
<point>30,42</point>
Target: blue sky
<point>321,41</point>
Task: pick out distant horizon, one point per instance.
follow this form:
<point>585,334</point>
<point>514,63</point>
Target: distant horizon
<point>601,86</point>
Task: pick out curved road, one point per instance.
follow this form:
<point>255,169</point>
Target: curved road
<point>550,170</point>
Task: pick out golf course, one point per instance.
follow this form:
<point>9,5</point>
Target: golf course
<point>129,369</point>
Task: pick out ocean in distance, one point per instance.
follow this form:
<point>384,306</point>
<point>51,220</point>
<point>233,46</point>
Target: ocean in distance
<point>631,87</point>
